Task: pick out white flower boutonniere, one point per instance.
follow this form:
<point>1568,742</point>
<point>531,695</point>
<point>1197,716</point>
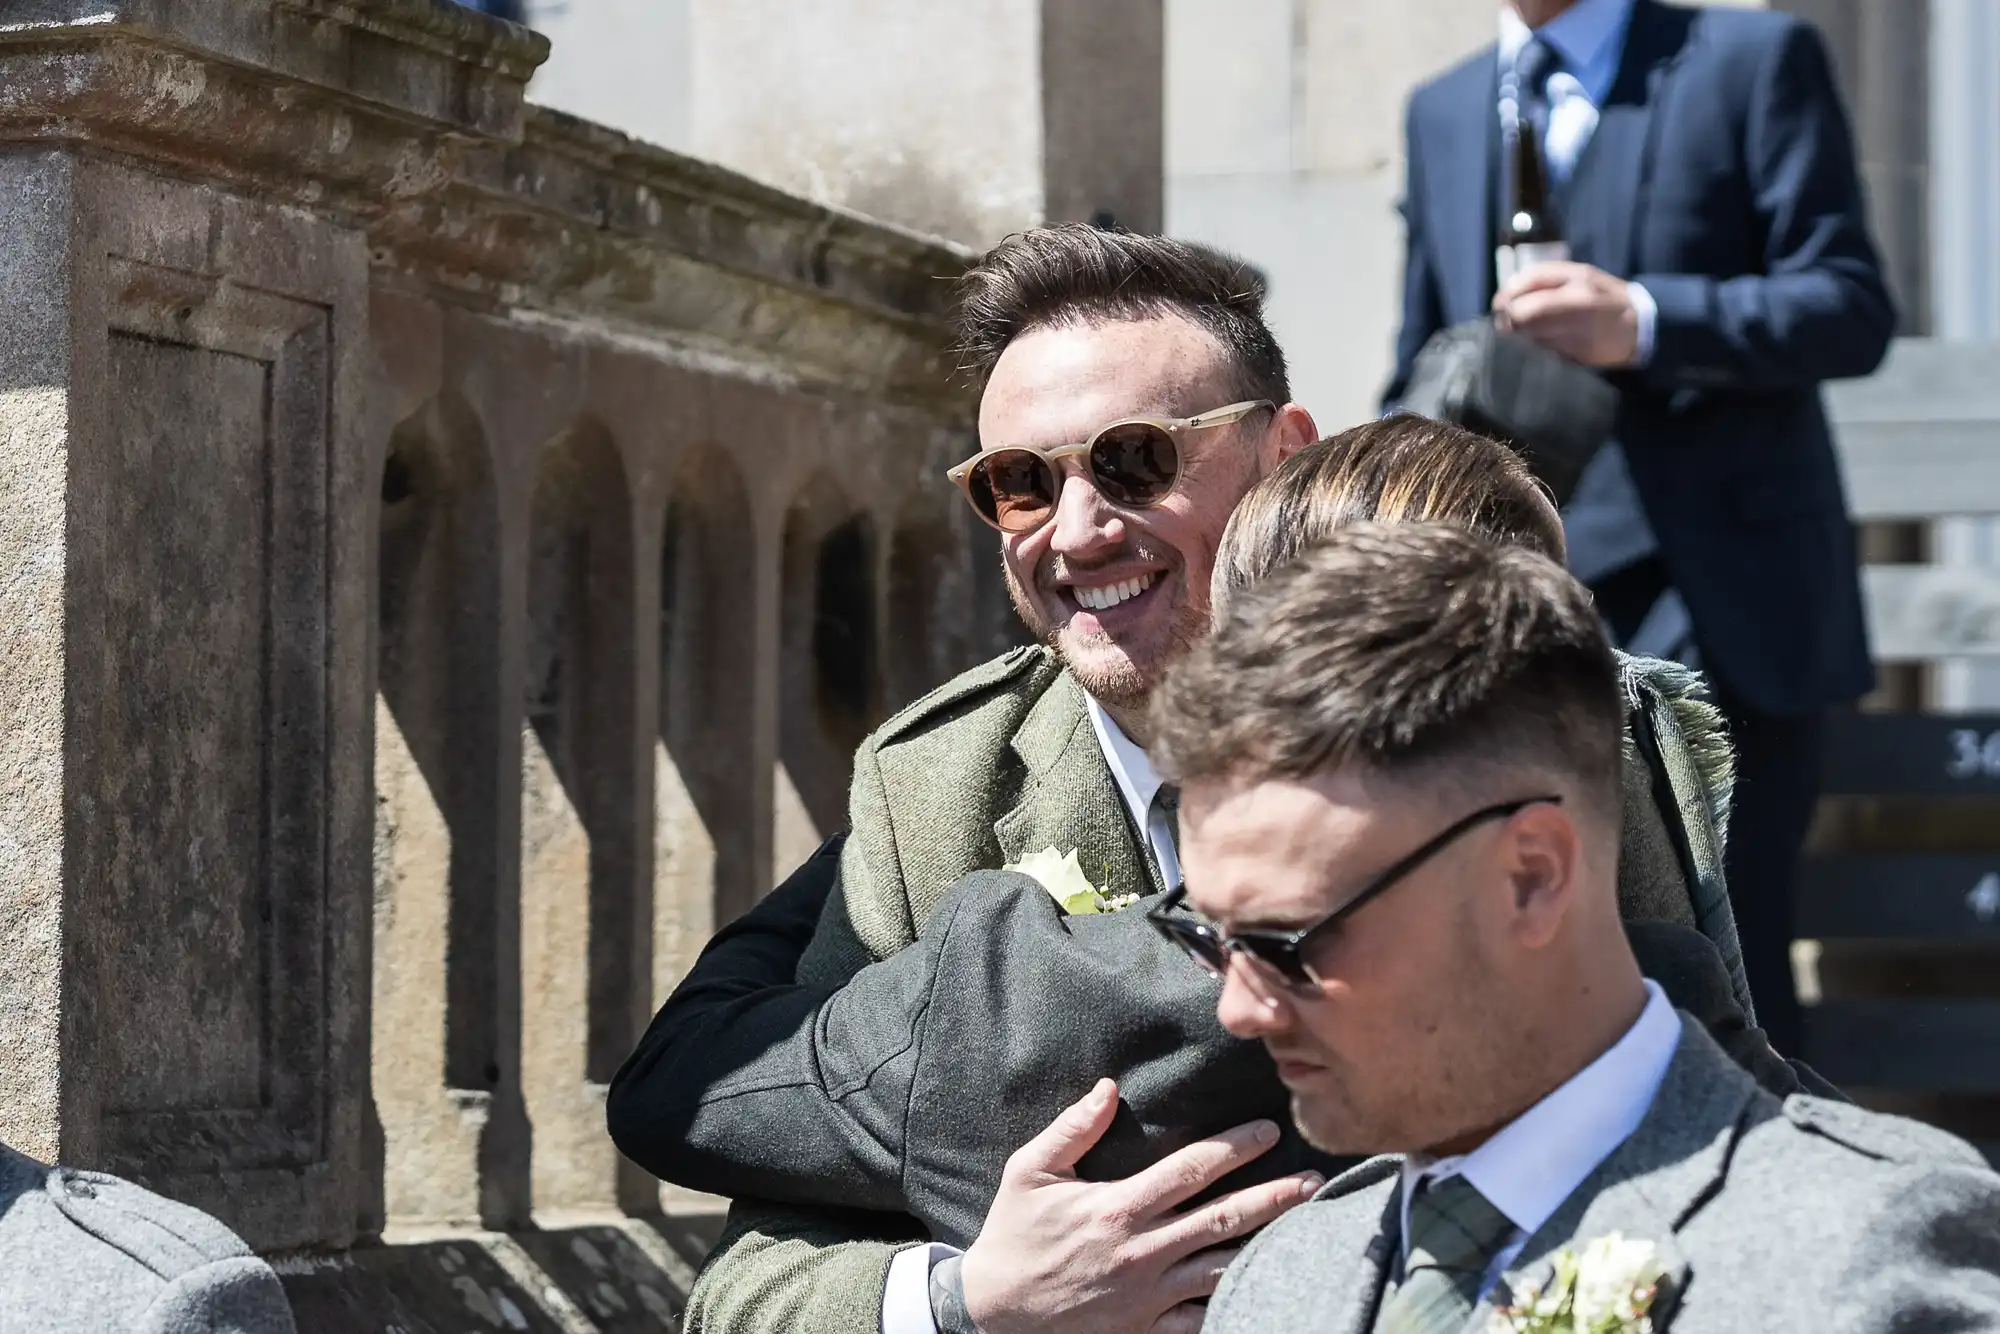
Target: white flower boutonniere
<point>1609,1289</point>
<point>1068,885</point>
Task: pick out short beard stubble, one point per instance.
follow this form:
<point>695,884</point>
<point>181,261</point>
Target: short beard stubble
<point>1129,685</point>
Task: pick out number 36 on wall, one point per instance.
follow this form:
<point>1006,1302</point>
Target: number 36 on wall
<point>1973,755</point>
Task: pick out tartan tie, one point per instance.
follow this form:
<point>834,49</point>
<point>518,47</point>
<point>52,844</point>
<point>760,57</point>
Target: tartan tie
<point>1454,1235</point>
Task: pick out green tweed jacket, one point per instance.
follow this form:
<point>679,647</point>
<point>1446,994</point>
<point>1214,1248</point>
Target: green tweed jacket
<point>1002,762</point>
<point>997,763</point>
<point>994,766</point>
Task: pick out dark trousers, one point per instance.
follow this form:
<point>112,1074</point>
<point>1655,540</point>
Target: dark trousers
<point>1777,787</point>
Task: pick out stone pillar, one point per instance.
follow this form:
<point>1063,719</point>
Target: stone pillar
<point>453,1127</point>
<point>187,537</point>
<point>967,120</point>
<point>1280,150</point>
<point>182,448</point>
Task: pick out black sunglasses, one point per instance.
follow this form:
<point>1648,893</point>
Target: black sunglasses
<point>1284,951</point>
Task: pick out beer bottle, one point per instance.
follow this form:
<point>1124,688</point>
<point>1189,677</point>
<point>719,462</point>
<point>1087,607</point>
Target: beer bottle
<point>1529,232</point>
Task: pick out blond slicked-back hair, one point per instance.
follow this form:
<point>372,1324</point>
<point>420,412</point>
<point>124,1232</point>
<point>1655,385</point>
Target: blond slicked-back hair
<point>1402,468</point>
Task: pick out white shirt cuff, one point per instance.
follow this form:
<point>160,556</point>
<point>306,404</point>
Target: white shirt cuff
<point>1647,312</point>
<point>906,1296</point>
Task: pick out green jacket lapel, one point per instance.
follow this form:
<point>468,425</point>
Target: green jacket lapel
<point>1070,799</point>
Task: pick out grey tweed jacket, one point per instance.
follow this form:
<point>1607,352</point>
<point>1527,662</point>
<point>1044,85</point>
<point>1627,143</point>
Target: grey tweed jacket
<point>1806,1215</point>
<point>85,1253</point>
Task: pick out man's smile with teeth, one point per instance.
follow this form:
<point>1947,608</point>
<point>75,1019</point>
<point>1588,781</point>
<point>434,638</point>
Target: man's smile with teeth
<point>1110,595</point>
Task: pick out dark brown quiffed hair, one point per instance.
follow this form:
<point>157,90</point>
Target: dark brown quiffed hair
<point>1416,651</point>
<point>1403,467</point>
<point>1076,273</point>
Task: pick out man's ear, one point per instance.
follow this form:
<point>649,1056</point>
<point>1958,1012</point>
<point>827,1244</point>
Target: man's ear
<point>1291,431</point>
<point>1544,852</point>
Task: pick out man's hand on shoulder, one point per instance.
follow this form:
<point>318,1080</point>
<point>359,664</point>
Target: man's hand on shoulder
<point>1576,310</point>
<point>1059,1255</point>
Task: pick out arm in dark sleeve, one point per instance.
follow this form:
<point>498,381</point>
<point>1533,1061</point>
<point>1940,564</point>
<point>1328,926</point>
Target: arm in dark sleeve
<point>1690,970</point>
<point>757,952</point>
<point>791,1093</point>
<point>739,1032</point>
<point>1423,310</point>
<point>1819,309</point>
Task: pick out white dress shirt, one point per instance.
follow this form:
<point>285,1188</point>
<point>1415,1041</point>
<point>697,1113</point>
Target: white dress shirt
<point>906,1296</point>
<point>1138,784</point>
<point>1539,1159</point>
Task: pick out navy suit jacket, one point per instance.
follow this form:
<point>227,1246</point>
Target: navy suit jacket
<point>1722,177</point>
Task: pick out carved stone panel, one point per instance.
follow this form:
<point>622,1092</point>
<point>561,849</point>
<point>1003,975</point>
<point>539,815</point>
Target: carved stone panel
<point>215,707</point>
<point>208,757</point>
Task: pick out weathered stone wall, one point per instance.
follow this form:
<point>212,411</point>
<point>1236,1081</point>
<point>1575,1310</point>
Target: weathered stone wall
<point>448,552</point>
<point>967,119</point>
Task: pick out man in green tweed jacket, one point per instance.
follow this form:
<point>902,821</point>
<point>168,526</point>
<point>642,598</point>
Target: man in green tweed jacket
<point>1108,554</point>
<point>1075,330</point>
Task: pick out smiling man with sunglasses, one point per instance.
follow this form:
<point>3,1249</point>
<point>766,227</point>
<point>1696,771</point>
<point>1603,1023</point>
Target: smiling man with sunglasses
<point>1400,760</point>
<point>1131,394</point>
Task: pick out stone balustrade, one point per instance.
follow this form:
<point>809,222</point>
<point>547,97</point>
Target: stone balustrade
<point>448,553</point>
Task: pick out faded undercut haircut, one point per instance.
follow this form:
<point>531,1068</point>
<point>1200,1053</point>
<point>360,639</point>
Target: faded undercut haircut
<point>1074,273</point>
<point>1401,467</point>
<point>1421,652</point>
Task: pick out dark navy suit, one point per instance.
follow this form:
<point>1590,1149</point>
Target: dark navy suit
<point>1721,176</point>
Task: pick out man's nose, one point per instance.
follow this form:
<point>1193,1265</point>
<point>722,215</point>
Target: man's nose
<point>1246,1009</point>
<point>1085,521</point>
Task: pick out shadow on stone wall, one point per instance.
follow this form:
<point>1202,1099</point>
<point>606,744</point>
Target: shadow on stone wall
<point>630,1277</point>
<point>581,955</point>
<point>356,396</point>
<point>704,843</point>
<point>830,690</point>
<point>924,639</point>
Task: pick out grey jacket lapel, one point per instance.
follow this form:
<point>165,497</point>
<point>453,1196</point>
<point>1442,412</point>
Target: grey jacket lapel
<point>1376,1191</point>
<point>1656,1180</point>
<point>1070,799</point>
<point>1321,1268</point>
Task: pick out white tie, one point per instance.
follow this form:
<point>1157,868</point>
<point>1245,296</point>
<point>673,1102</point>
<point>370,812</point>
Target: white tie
<point>1572,119</point>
